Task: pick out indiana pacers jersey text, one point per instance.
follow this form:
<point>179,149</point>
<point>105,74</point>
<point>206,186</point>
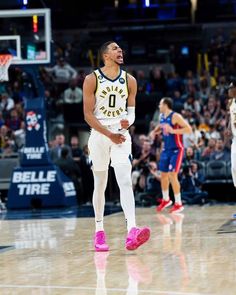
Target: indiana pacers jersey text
<point>111,98</point>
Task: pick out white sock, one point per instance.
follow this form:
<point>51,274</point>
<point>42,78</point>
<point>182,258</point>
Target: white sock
<point>165,195</point>
<point>123,178</point>
<point>178,199</point>
<point>100,183</point>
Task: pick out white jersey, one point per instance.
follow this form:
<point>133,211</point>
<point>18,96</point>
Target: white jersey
<point>232,110</point>
<point>111,98</point>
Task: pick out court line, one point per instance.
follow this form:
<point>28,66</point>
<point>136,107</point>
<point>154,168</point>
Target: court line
<point>100,289</point>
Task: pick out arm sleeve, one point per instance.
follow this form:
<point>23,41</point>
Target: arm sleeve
<point>130,115</point>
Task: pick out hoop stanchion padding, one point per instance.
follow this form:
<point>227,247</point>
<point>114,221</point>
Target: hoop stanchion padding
<point>37,182</point>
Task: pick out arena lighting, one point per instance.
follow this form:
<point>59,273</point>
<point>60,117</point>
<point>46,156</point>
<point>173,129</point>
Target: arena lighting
<point>147,3</point>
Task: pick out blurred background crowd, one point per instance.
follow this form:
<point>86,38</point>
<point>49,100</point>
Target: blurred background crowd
<point>186,59</point>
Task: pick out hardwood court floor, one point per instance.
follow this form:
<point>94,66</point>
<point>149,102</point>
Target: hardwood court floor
<point>187,254</point>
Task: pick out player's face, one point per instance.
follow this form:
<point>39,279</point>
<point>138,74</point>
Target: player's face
<point>162,106</point>
<point>232,93</point>
<point>115,53</point>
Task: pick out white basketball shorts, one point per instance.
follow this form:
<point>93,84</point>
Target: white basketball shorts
<point>102,151</point>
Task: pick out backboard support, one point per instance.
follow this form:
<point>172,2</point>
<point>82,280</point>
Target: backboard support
<point>26,34</point>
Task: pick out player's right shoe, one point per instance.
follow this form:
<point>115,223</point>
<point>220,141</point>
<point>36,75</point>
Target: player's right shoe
<point>177,208</point>
<point>136,237</point>
<point>164,204</point>
<point>100,244</point>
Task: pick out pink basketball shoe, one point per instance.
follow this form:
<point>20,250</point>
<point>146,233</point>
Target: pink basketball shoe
<point>100,241</point>
<point>136,237</point>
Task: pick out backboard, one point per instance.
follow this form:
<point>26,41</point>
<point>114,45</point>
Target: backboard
<point>26,34</point>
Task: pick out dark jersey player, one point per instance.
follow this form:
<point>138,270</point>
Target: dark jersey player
<point>173,126</point>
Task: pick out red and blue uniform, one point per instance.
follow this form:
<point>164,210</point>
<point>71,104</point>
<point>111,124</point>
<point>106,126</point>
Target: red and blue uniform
<point>173,149</point>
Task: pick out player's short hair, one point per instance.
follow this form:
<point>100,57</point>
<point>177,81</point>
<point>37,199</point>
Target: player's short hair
<point>104,47</point>
<point>168,101</point>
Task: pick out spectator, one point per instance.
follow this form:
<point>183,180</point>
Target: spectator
<point>189,156</point>
<point>73,94</point>
<point>220,152</point>
<point>62,74</point>
<point>191,185</point>
<point>55,152</point>
<point>14,122</point>
<point>151,178</point>
<point>75,149</point>
<point>193,139</point>
<point>6,104</point>
<point>209,150</point>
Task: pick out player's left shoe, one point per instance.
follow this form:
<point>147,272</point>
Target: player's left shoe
<point>177,208</point>
<point>136,237</point>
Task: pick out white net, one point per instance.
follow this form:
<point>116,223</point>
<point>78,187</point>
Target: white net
<point>5,61</point>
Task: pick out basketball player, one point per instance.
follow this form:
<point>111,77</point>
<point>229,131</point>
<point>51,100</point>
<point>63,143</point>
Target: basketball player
<point>232,126</point>
<point>109,109</point>
<point>173,126</point>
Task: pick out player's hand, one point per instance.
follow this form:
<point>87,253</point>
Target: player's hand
<point>157,129</point>
<point>117,138</point>
<point>124,124</point>
<point>168,129</point>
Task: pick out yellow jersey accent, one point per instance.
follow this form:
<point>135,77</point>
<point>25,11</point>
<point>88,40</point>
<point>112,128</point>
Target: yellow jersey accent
<point>111,98</point>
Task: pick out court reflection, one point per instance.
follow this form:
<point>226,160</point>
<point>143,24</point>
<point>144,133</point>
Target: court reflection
<point>138,273</point>
<point>174,258</point>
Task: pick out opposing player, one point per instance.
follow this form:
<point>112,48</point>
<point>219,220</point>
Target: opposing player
<point>232,126</point>
<point>109,109</point>
<point>173,126</point>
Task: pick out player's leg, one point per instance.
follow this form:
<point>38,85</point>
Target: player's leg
<point>99,156</point>
<point>233,162</point>
<point>121,161</point>
<point>175,164</point>
<point>165,183</point>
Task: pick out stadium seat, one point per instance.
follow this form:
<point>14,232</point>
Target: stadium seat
<point>216,172</point>
<point>201,167</point>
<point>8,165</point>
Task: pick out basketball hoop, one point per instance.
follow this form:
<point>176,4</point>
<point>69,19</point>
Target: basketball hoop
<point>5,61</point>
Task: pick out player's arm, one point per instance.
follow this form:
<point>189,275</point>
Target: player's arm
<point>177,119</point>
<point>129,120</point>
<point>89,87</point>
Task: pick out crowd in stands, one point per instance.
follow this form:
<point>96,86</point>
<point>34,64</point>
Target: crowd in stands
<point>199,94</point>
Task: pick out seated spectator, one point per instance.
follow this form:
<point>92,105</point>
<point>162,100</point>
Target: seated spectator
<point>220,152</point>
<point>192,105</point>
<point>62,73</point>
<point>75,149</point>
<point>6,104</point>
<point>193,139</point>
<point>191,181</point>
<point>151,178</point>
<point>213,132</point>
<point>55,152</point>
<point>209,150</point>
<point>145,155</point>
<point>73,94</point>
<point>142,82</point>
<point>189,156</point>
<point>14,122</point>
